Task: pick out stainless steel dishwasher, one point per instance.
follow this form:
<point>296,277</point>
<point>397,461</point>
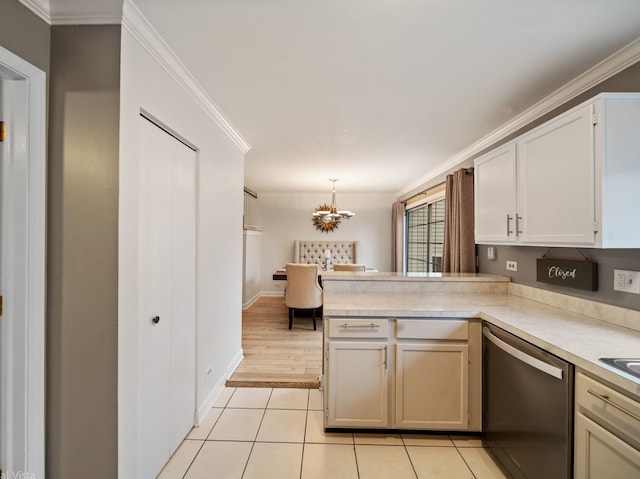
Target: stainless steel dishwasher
<point>528,407</point>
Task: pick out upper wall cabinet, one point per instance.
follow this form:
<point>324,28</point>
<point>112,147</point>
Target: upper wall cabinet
<point>569,182</point>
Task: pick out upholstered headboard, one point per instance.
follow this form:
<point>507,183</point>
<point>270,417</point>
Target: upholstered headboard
<point>311,251</point>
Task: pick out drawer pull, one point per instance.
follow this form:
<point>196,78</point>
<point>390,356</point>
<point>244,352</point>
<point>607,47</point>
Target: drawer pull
<point>359,326</point>
<point>605,398</point>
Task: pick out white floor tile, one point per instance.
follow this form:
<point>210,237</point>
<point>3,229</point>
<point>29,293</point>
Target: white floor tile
<point>481,463</point>
<point>378,438</point>
<point>316,400</point>
<point>438,463</point>
<point>315,431</point>
<point>220,459</point>
<point>237,425</point>
<point>250,398</point>
<point>329,461</point>
<point>282,425</point>
<point>203,430</point>
<point>427,440</point>
<point>383,462</point>
<point>287,398</point>
<point>460,440</point>
<point>274,461</point>
<point>224,397</point>
<point>181,460</point>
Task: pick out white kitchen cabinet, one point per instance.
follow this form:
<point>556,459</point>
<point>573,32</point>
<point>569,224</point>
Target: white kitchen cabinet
<point>432,386</point>
<point>495,195</point>
<point>575,178</point>
<point>607,432</point>
<point>358,384</point>
<point>402,373</point>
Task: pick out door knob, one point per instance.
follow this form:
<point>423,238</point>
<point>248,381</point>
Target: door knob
<point>155,319</point>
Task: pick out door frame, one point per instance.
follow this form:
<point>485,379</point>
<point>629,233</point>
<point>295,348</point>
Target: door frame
<point>24,240</point>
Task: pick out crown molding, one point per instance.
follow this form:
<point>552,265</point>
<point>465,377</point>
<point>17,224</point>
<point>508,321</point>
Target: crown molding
<point>137,25</point>
<point>41,10</point>
<point>620,60</point>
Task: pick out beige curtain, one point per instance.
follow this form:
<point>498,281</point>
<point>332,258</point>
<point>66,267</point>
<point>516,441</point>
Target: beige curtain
<point>459,243</point>
<point>397,240</point>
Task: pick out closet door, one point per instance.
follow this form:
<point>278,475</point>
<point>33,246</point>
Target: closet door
<point>166,321</point>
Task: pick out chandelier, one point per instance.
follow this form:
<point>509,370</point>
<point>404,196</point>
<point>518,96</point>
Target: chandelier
<point>328,217</point>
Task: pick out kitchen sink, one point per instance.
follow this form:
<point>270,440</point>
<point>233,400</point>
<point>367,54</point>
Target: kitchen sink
<point>631,366</point>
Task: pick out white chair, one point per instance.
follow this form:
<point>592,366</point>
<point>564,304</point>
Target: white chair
<point>303,290</point>
<point>348,267</point>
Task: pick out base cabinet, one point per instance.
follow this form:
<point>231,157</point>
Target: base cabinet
<point>607,432</point>
<point>432,386</point>
<point>358,384</point>
<point>403,374</point>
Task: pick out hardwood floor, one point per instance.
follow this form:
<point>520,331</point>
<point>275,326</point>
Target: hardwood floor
<point>275,356</point>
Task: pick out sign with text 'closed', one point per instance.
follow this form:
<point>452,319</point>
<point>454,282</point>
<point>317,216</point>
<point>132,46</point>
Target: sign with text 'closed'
<point>569,273</point>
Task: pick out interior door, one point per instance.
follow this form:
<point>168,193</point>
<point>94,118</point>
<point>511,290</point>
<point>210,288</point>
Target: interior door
<point>166,322</point>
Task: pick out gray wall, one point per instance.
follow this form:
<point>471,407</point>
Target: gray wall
<point>608,260</point>
<point>82,281</point>
<point>24,34</point>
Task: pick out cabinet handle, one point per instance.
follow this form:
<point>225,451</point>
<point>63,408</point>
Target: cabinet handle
<point>384,356</point>
<point>155,319</point>
<point>518,219</point>
<point>509,218</point>
<point>351,326</point>
<point>605,398</point>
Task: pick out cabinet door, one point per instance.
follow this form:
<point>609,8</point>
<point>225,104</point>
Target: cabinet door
<point>601,455</point>
<point>556,189</point>
<point>495,195</point>
<point>357,386</point>
<point>432,386</point>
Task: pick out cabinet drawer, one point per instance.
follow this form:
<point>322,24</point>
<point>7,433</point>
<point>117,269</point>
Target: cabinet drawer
<point>452,329</point>
<point>608,406</point>
<point>358,328</point>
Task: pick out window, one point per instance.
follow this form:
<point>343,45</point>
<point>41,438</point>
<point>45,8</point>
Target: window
<point>425,236</point>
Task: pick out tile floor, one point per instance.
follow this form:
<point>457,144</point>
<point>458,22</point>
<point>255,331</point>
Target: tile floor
<point>277,433</point>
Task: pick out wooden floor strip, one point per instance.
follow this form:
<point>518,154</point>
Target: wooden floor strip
<point>275,356</point>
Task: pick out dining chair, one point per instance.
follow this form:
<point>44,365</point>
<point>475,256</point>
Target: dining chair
<point>303,290</point>
<point>348,267</point>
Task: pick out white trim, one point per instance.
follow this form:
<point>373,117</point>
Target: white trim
<point>248,304</point>
<point>39,10</point>
<point>43,10</point>
<point>33,356</point>
<point>623,58</point>
<point>137,25</point>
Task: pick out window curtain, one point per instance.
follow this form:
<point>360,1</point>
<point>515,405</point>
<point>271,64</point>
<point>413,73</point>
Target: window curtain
<point>459,254</point>
<point>397,241</point>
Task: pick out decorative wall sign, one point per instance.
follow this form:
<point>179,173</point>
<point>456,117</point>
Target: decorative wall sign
<point>570,273</point>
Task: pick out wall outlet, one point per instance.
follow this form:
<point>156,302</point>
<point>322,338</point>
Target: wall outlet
<point>491,252</point>
<point>512,266</point>
<point>627,281</point>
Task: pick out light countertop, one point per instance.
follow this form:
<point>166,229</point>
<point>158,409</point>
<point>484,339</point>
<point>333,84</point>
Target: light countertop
<point>574,336</point>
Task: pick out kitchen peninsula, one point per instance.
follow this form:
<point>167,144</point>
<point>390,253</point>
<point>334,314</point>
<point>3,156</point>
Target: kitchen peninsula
<point>405,351</point>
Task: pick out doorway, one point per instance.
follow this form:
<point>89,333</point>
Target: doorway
<point>22,266</point>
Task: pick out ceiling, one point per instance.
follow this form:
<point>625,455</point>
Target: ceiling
<point>381,94</point>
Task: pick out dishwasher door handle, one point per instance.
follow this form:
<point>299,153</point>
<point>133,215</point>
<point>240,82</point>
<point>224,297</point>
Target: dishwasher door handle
<point>546,368</point>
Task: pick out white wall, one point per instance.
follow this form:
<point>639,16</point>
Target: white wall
<point>145,84</point>
<point>287,217</point>
<point>251,278</point>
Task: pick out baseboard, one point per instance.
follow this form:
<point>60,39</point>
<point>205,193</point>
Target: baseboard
<point>207,404</point>
<point>248,304</point>
<point>272,294</point>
